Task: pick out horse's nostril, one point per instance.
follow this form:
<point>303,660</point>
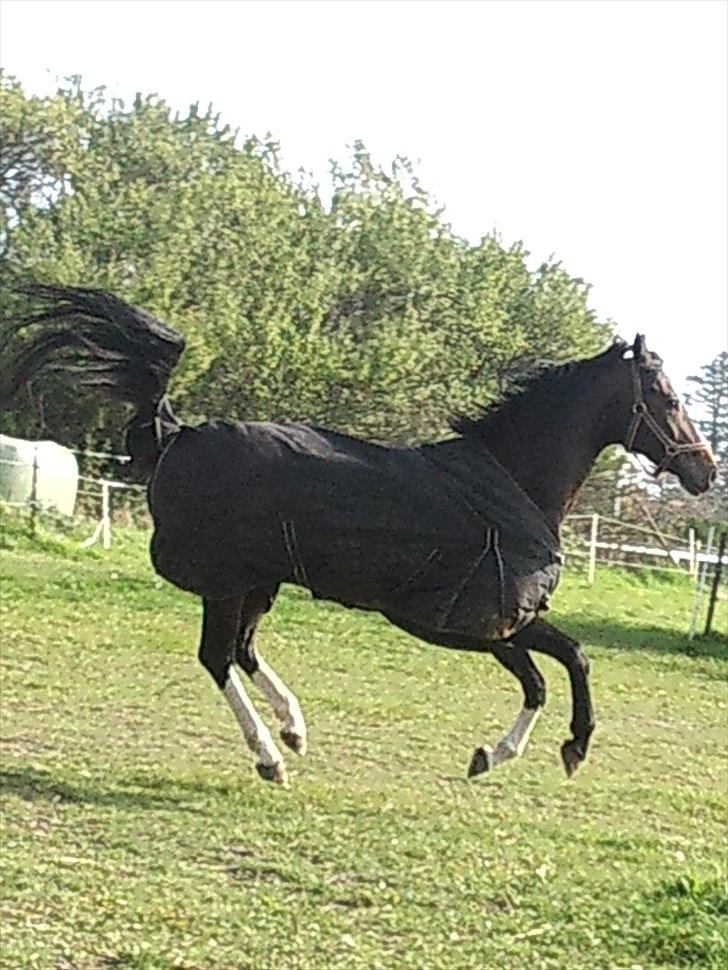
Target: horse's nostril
<point>712,475</point>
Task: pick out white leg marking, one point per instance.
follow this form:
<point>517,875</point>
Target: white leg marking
<point>284,703</point>
<point>514,743</point>
<point>256,734</point>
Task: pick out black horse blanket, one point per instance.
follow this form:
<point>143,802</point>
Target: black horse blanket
<point>440,539</point>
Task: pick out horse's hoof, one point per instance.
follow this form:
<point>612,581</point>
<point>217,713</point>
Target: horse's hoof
<point>572,757</point>
<point>275,773</point>
<point>295,742</point>
<point>481,762</point>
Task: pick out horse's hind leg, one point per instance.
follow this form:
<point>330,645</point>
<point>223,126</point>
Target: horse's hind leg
<point>513,744</point>
<point>284,703</point>
<point>220,624</point>
<point>544,638</point>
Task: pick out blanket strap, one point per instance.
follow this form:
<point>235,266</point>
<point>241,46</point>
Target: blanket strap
<point>501,574</point>
<point>289,537</point>
<point>492,541</point>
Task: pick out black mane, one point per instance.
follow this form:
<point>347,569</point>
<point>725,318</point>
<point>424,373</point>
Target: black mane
<point>537,380</point>
<point>538,377</point>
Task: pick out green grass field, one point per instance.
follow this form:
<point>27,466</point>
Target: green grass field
<point>135,833</point>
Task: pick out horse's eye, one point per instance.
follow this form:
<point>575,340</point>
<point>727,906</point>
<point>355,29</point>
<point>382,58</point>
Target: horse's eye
<point>673,404</point>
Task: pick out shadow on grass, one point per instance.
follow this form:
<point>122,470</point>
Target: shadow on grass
<point>333,890</point>
<point>620,636</point>
<point>35,786</point>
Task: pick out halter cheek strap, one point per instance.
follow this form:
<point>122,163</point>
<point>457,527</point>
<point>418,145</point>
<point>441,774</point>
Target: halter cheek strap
<point>640,413</point>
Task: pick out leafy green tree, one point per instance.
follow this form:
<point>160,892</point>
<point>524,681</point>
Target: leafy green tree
<point>370,315</point>
<point>711,396</point>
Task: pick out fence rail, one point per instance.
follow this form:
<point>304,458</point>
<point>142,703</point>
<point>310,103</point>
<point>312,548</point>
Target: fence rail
<point>604,541</point>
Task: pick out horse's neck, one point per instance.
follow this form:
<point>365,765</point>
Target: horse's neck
<point>549,441</point>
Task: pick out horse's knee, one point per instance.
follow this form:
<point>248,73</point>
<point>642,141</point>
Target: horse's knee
<point>573,656</point>
<point>246,658</point>
<point>540,694</point>
<point>256,604</point>
<point>215,662</point>
<point>534,692</point>
<point>582,660</point>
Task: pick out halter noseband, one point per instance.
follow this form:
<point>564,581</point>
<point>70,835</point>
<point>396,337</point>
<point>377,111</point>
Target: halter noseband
<point>640,412</point>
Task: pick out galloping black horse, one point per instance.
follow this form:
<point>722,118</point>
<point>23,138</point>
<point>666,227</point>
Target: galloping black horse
<point>456,542</point>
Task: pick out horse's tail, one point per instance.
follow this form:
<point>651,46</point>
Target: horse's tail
<point>106,343</point>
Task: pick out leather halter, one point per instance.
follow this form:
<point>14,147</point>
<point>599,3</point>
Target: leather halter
<point>640,412</point>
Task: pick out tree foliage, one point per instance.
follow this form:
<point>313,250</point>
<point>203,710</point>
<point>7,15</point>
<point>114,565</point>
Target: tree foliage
<point>711,397</point>
<point>368,315</point>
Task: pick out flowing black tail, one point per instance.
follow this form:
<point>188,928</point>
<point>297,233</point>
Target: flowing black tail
<point>106,343</point>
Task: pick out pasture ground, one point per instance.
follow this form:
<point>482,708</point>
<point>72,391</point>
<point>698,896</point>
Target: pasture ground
<point>135,834</point>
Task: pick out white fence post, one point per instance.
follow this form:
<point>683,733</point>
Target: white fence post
<point>103,529</point>
<point>105,514</point>
<point>593,547</point>
<point>34,493</point>
<point>693,554</point>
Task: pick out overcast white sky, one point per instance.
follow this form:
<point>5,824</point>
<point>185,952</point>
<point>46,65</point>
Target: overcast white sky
<point>593,130</point>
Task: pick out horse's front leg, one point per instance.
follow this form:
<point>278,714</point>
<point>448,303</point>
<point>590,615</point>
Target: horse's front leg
<point>513,744</point>
<point>220,625</point>
<point>284,703</point>
<point>544,638</point>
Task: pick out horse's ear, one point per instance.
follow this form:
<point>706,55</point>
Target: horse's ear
<point>639,348</point>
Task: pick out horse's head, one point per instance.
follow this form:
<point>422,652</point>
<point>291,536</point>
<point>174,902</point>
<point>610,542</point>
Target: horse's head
<point>660,428</point>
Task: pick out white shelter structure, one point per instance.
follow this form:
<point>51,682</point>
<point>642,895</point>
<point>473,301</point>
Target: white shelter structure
<point>38,472</point>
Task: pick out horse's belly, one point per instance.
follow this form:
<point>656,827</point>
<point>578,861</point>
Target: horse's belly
<point>216,563</point>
